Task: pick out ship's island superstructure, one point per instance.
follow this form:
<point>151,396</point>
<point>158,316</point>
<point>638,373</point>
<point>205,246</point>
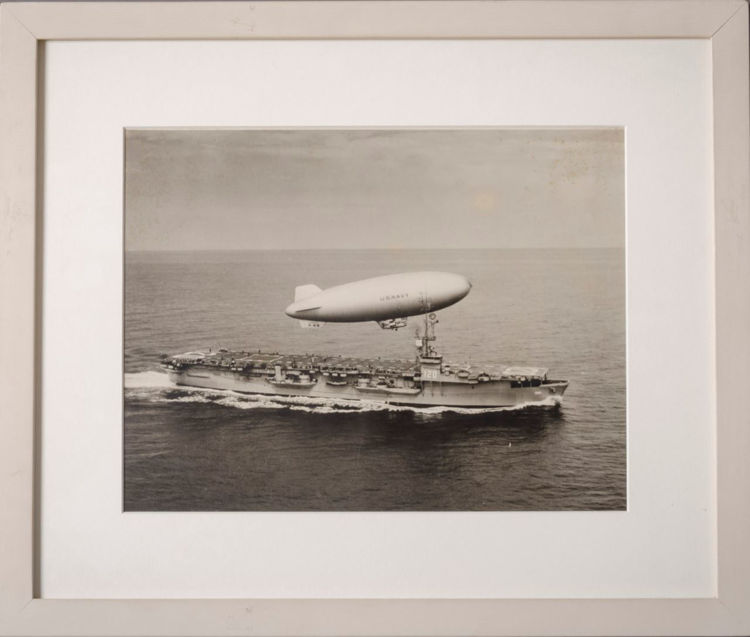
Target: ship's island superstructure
<point>425,381</point>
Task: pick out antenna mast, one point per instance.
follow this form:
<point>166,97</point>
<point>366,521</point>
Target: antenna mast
<point>425,348</point>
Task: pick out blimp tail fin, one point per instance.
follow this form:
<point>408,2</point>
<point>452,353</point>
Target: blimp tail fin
<point>302,292</point>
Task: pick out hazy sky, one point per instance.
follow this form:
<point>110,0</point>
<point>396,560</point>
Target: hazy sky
<point>249,189</point>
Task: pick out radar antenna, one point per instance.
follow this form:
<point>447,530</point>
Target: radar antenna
<point>425,348</point>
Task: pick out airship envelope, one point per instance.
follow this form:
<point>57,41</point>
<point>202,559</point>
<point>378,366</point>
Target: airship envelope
<point>382,299</point>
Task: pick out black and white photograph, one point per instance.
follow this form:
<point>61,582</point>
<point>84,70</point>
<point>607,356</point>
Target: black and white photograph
<point>374,319</point>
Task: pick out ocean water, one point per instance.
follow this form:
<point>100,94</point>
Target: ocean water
<point>204,450</point>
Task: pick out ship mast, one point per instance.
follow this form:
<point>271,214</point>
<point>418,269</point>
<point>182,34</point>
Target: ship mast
<point>429,362</point>
<point>425,349</point>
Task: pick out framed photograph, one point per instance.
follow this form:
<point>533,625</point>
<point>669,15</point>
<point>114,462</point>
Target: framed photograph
<point>373,211</point>
<point>375,318</point>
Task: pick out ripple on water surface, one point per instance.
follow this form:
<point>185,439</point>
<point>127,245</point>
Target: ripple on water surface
<point>192,449</point>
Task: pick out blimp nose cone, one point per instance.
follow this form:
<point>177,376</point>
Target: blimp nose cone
<point>461,284</point>
<point>447,288</point>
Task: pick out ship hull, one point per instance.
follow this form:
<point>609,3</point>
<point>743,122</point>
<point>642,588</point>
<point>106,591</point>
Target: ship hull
<point>451,392</point>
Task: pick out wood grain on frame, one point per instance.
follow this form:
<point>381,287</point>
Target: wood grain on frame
<point>21,25</point>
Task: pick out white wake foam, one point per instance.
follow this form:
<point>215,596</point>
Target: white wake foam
<point>146,380</point>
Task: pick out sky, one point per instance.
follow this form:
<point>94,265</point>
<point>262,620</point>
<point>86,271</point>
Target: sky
<point>235,189</point>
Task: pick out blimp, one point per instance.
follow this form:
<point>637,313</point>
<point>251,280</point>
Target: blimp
<point>388,300</point>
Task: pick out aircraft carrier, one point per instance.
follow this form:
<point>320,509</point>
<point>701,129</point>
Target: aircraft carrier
<point>424,381</point>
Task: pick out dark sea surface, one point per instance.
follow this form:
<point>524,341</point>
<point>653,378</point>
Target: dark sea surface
<point>204,450</point>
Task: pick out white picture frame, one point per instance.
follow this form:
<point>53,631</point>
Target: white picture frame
<point>24,27</point>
